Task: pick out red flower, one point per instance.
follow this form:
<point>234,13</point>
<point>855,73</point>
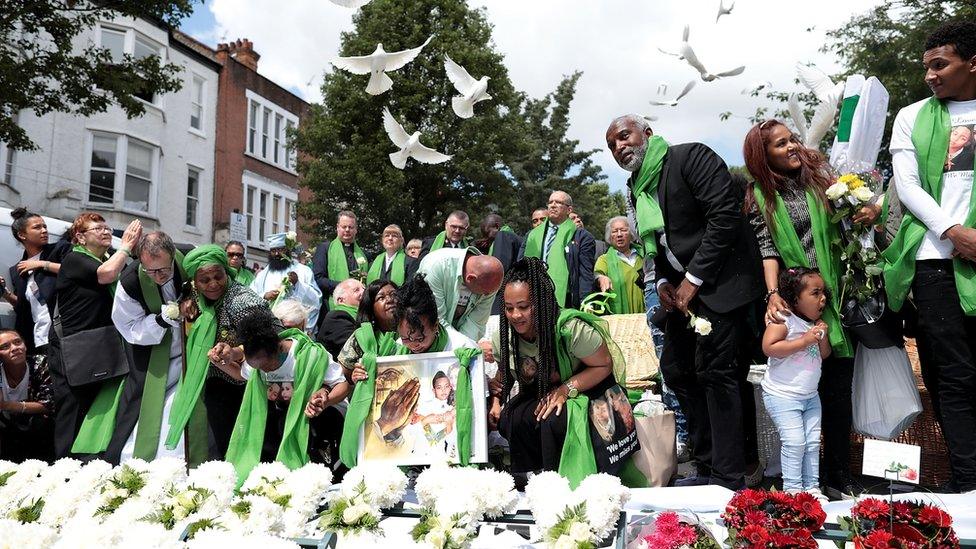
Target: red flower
<point>878,539</point>
<point>755,534</point>
<point>756,517</point>
<point>934,516</point>
<point>870,508</point>
<point>911,474</point>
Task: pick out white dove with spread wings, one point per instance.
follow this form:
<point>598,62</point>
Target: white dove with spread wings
<point>410,145</point>
<point>687,54</point>
<point>377,64</point>
<point>722,10</point>
<point>674,102</point>
<point>352,4</point>
<point>471,90</point>
<point>828,96</point>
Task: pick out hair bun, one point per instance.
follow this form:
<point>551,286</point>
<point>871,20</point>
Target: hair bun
<point>20,212</point>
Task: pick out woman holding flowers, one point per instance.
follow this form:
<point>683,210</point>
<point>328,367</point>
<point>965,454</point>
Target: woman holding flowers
<point>790,212</point>
<point>561,358</point>
<point>213,354</point>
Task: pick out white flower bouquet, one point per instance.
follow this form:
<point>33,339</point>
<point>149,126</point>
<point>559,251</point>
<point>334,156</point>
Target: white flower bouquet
<point>863,263</point>
<point>366,490</point>
<point>580,518</point>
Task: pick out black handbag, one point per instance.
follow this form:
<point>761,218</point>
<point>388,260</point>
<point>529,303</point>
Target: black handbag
<point>872,323</point>
<point>91,356</point>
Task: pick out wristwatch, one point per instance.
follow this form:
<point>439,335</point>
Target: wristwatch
<point>571,387</point>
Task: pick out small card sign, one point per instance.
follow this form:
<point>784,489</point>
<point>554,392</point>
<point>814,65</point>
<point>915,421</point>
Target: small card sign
<point>891,460</point>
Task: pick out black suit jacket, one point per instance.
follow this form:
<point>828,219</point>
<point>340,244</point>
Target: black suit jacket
<point>320,268</point>
<point>23,317</point>
<point>706,229</point>
<point>506,248</point>
<point>334,331</point>
<point>410,265</point>
<point>580,259</point>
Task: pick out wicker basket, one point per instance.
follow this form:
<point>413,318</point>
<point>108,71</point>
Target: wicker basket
<point>924,432</point>
<point>633,337</point>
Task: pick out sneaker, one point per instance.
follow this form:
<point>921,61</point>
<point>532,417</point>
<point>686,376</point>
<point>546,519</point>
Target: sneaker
<point>815,492</point>
<point>684,452</point>
<point>842,489</point>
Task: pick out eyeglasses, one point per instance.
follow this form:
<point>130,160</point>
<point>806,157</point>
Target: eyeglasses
<point>163,271</point>
<point>99,229</point>
<point>559,202</point>
<point>414,339</point>
<point>235,254</point>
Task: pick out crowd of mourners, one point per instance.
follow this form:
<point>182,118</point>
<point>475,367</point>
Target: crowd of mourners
<point>150,349</point>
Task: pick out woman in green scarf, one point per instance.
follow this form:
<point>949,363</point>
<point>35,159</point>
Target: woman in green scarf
<point>213,352</point>
<point>567,369</point>
<point>237,256</point>
<point>621,269</point>
<point>271,424</point>
<point>790,213</point>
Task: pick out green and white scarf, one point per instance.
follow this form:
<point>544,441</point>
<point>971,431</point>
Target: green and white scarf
<point>556,263</point>
<point>397,268</point>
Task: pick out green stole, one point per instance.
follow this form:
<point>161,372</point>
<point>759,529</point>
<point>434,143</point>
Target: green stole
<point>504,229</point>
<point>99,424</point>
<point>644,185</point>
<point>350,310</point>
<point>243,276</point>
<point>621,302</point>
<point>338,266</point>
<point>244,451</point>
<point>441,239</point>
<point>930,135</point>
<point>791,251</point>
<point>397,268</point>
<point>362,394</point>
<point>577,460</point>
<point>556,263</point>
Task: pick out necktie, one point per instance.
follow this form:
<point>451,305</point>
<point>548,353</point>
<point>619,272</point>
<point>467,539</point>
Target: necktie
<point>550,239</point>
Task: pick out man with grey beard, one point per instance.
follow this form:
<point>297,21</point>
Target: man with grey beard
<point>706,263</point>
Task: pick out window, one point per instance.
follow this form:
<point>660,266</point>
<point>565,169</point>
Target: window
<point>268,127</point>
<point>196,103</point>
<point>120,42</point>
<point>192,196</point>
<point>7,160</point>
<point>121,166</point>
<point>269,208</point>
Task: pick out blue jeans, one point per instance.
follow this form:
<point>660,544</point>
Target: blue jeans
<point>651,304</point>
<point>798,424</point>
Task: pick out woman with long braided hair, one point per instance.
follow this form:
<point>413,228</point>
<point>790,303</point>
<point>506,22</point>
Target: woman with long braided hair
<point>561,360</point>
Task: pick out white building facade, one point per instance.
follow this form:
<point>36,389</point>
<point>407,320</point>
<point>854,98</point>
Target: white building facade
<point>158,168</point>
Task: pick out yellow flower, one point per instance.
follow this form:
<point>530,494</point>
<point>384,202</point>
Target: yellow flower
<point>851,180</point>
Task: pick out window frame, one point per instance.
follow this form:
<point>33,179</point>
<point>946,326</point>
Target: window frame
<point>202,105</point>
<point>284,197</point>
<point>128,47</point>
<point>265,139</point>
<point>195,226</point>
<point>120,173</point>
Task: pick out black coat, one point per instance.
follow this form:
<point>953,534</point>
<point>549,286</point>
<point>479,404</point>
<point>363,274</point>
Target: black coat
<point>580,260</point>
<point>320,268</point>
<point>706,229</point>
<point>506,248</point>
<point>334,331</point>
<point>410,265</point>
<point>46,281</point>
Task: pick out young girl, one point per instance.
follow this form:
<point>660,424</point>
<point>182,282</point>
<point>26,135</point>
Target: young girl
<point>795,350</point>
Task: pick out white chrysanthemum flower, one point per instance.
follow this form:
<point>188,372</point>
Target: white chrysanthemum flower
<point>265,473</point>
<point>217,539</point>
<point>862,194</point>
<point>385,484</point>
<point>219,477</point>
<point>16,535</point>
<point>149,536</point>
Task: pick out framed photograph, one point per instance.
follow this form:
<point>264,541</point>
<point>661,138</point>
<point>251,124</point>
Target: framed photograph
<point>413,420</point>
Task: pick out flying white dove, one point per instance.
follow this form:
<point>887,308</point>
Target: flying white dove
<point>377,64</point>
<point>688,55</point>
<point>823,118</point>
<point>674,102</point>
<point>820,84</point>
<point>722,10</point>
<point>352,4</point>
<point>409,145</point>
<point>650,118</point>
<point>471,90</point>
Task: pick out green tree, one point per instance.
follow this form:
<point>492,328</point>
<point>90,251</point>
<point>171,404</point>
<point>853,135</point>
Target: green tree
<point>344,149</point>
<point>555,162</point>
<point>42,71</point>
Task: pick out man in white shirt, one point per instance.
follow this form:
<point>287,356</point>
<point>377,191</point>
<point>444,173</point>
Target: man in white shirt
<point>302,288</point>
<point>934,251</point>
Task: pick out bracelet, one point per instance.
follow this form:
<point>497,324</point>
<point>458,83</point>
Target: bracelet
<point>23,407</point>
<point>125,250</point>
<point>770,293</point>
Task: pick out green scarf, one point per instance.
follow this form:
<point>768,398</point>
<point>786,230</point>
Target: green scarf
<point>556,263</point>
<point>338,265</point>
<point>99,424</point>
<point>464,403</point>
<point>243,276</point>
<point>577,460</point>
<point>441,239</point>
<point>397,268</point>
<point>930,135</point>
<point>361,400</point>
<point>244,451</point>
<point>202,336</point>
<point>644,186</point>
<point>791,251</point>
<point>504,229</point>
<point>621,304</point>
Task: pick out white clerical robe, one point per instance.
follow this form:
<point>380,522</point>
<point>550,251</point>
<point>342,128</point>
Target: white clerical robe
<point>305,292</point>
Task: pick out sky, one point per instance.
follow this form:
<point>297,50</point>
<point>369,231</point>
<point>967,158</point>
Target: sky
<point>614,43</point>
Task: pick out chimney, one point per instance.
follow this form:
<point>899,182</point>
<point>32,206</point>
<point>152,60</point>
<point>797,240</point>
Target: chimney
<point>242,50</point>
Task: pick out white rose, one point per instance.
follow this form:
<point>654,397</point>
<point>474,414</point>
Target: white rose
<point>580,532</point>
<point>171,310</point>
<point>702,326</point>
<point>436,538</point>
<point>564,542</point>
<point>862,193</point>
<point>836,191</point>
<point>353,513</point>
<point>291,235</point>
<point>458,534</point>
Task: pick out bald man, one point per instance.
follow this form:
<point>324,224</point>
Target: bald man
<point>464,283</point>
<point>340,322</point>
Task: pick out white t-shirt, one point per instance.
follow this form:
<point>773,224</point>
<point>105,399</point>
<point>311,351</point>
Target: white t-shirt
<point>17,393</point>
<point>796,376</point>
<point>957,177</point>
<point>39,311</point>
<point>286,373</point>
